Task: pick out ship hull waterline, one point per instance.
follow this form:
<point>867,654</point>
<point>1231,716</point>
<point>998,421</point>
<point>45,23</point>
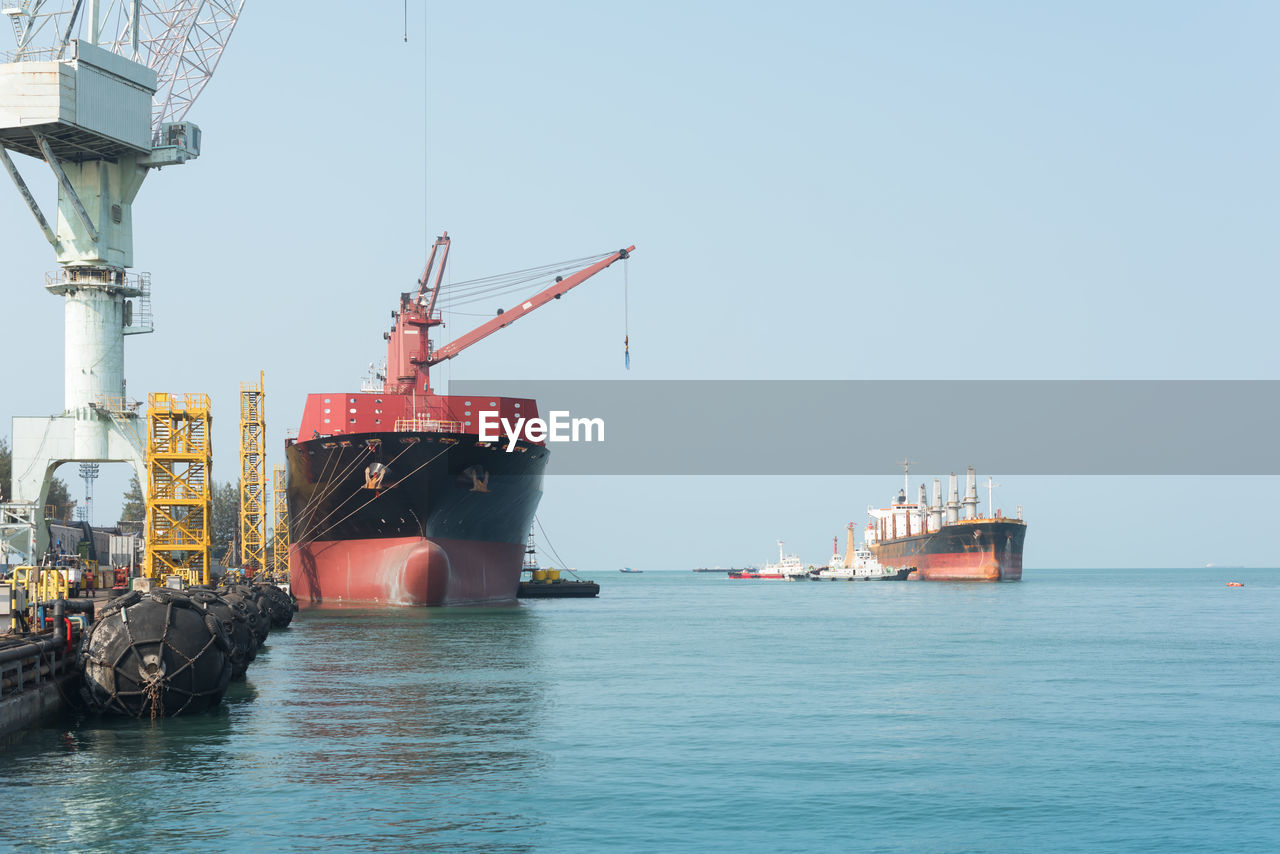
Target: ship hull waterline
<point>405,571</point>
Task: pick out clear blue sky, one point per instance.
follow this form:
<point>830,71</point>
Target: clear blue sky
<point>818,190</point>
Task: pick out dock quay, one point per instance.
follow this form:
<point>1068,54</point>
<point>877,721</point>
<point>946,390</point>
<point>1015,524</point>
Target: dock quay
<point>138,650</point>
<point>35,676</point>
<point>38,672</point>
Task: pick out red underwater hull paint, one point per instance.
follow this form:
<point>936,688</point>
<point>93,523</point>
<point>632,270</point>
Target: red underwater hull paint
<point>405,571</point>
<point>988,565</point>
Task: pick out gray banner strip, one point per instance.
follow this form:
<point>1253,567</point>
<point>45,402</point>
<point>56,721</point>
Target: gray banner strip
<point>821,427</point>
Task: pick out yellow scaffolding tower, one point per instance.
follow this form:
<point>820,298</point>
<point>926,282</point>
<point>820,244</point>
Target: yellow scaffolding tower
<point>280,542</point>
<point>179,492</point>
<point>253,479</point>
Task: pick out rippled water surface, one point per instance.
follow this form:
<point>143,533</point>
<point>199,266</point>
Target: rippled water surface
<point>1080,710</point>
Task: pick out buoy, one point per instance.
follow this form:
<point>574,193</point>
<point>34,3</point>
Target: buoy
<point>258,617</point>
<point>157,653</point>
<point>279,604</point>
<point>235,621</point>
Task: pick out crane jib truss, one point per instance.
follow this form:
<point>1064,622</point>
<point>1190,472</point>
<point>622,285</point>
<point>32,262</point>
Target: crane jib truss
<point>181,40</point>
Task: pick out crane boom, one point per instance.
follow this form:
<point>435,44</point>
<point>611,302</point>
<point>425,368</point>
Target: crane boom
<point>423,283</point>
<point>506,318</point>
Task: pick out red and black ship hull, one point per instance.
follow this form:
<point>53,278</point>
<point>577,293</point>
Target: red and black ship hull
<point>444,524</point>
<point>969,550</point>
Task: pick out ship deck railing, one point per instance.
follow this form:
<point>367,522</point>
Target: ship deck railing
<point>427,425</point>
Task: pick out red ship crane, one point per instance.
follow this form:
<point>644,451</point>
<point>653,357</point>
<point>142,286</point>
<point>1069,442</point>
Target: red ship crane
<point>409,351</point>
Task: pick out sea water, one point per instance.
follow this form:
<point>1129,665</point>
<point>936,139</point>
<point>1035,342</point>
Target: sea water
<point>1079,710</point>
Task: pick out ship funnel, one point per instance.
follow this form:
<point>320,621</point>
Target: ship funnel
<point>953,501</point>
<point>971,495</point>
<point>935,511</point>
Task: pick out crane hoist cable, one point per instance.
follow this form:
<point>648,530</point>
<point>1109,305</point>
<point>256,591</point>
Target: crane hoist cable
<point>626,313</point>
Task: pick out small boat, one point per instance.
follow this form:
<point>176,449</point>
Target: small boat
<point>788,566</point>
<point>539,583</point>
<point>1235,584</point>
<point>629,569</point>
<point>857,564</point>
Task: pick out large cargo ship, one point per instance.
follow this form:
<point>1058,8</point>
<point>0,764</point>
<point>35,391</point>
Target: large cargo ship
<point>951,543</point>
<point>393,496</point>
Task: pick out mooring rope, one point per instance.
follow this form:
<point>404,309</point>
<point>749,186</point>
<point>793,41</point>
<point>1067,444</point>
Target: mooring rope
<point>553,551</point>
<point>379,494</point>
<point>310,535</point>
<point>326,483</point>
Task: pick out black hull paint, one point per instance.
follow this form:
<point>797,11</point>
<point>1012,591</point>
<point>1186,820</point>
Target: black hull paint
<point>435,485</point>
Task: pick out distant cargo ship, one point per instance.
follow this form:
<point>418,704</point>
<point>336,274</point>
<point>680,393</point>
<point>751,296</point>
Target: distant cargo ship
<point>951,543</point>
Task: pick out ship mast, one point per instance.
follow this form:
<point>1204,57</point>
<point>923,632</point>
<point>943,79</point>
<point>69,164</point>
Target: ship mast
<point>530,553</point>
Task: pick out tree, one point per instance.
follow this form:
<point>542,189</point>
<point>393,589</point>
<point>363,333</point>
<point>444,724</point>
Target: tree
<point>59,496</point>
<point>6,468</point>
<point>134,505</point>
<point>225,533</point>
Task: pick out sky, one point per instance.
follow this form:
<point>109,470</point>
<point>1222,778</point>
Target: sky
<point>824,190</point>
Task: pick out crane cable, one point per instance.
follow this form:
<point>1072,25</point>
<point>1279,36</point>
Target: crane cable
<point>626,313</point>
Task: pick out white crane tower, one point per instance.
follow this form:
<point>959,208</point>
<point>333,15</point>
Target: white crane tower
<point>98,90</point>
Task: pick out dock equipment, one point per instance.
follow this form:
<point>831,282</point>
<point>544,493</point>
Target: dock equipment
<point>253,479</point>
<point>179,493</point>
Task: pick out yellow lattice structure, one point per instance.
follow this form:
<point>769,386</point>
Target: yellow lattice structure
<point>280,542</point>
<point>179,491</point>
<point>253,479</point>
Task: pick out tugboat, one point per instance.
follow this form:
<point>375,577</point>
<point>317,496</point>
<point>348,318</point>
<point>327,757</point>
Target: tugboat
<point>856,564</point>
